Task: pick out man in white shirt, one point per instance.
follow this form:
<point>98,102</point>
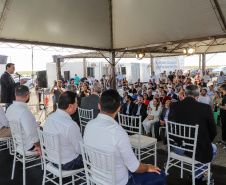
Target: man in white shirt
<point>204,98</point>
<point>153,77</point>
<point>4,124</point>
<point>185,85</point>
<point>120,78</point>
<point>162,78</point>
<point>106,135</point>
<point>20,113</point>
<point>205,77</point>
<point>61,123</point>
<point>211,91</point>
<point>89,80</point>
<point>144,90</point>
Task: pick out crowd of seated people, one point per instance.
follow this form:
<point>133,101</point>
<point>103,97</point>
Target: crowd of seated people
<point>151,102</point>
<point>168,88</point>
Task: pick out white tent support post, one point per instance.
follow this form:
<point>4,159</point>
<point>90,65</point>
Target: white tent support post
<point>112,62</point>
<point>152,65</point>
<point>84,66</point>
<point>203,62</point>
<point>200,61</point>
<point>58,69</point>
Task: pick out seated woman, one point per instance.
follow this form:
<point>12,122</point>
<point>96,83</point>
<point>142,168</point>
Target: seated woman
<point>146,101</point>
<point>108,83</point>
<point>127,87</point>
<point>124,81</point>
<point>153,116</point>
<point>85,92</point>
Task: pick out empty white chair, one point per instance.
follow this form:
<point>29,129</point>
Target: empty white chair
<point>51,154</point>
<point>85,115</point>
<point>188,134</point>
<point>20,154</point>
<point>144,146</point>
<point>99,166</point>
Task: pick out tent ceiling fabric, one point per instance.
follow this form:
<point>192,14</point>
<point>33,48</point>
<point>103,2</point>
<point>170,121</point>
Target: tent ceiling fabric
<point>70,22</point>
<point>154,26</point>
<point>138,23</point>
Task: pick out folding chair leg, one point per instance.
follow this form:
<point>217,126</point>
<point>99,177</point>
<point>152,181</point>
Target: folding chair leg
<point>181,169</point>
<point>60,181</point>
<point>14,165</point>
<point>167,165</point>
<point>41,163</point>
<point>24,173</point>
<point>44,177</point>
<point>73,180</point>
<point>208,182</point>
<point>193,174</point>
<point>139,154</point>
<point>155,154</point>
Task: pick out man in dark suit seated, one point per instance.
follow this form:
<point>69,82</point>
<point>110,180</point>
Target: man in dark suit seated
<point>140,109</point>
<point>128,107</point>
<point>91,102</point>
<point>191,112</point>
<point>123,100</point>
<point>172,94</point>
<point>136,96</point>
<point>161,123</point>
<point>8,85</point>
<point>202,83</point>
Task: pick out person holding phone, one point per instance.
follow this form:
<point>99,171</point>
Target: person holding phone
<point>56,90</point>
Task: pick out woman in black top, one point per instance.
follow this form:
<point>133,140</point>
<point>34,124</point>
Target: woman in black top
<point>85,92</point>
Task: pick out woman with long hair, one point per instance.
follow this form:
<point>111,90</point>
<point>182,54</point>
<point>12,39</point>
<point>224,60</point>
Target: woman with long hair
<point>108,83</point>
<point>153,116</point>
<point>146,101</point>
<point>124,81</point>
<point>216,105</point>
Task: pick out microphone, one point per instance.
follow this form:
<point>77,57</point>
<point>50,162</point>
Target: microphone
<point>18,74</point>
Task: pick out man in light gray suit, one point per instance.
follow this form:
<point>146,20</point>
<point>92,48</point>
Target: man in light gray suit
<point>91,102</point>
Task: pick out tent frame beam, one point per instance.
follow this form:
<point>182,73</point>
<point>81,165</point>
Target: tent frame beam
<point>170,43</point>
<point>219,14</point>
<point>50,44</point>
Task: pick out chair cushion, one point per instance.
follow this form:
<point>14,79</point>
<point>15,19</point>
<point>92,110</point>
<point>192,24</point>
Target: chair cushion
<point>27,153</point>
<point>145,141</point>
<point>56,171</point>
<point>182,158</point>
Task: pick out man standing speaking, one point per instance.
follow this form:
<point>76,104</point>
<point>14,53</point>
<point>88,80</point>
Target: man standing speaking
<point>8,85</point>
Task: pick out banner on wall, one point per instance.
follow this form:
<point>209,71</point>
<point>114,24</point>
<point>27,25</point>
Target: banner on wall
<point>168,64</point>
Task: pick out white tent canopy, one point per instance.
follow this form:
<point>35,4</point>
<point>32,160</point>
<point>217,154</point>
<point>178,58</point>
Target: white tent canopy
<point>153,26</point>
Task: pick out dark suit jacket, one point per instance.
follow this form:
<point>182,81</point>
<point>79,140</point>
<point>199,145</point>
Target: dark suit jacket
<point>174,96</point>
<point>7,88</point>
<point>203,84</point>
<point>191,112</point>
<point>162,115</point>
<point>143,111</point>
<point>124,108</point>
<point>91,102</point>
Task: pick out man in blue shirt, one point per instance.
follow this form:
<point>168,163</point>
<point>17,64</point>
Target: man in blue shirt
<point>120,78</point>
<point>76,80</point>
